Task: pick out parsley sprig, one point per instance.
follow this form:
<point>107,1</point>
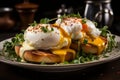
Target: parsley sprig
<point>82,57</point>
<point>45,29</point>
<point>47,20</point>
<point>70,15</point>
<point>8,47</point>
<point>84,20</point>
<point>33,24</point>
<point>104,31</point>
<point>111,38</point>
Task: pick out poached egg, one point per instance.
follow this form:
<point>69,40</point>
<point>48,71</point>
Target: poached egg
<point>47,37</point>
<point>76,28</point>
<point>82,29</point>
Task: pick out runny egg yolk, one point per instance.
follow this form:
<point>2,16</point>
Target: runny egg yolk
<point>64,51</point>
<point>99,43</point>
<point>96,41</point>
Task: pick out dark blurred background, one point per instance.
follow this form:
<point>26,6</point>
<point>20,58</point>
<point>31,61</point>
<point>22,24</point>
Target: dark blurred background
<point>49,8</point>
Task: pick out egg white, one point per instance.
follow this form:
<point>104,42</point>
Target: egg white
<point>39,39</point>
<point>95,32</point>
<point>72,26</point>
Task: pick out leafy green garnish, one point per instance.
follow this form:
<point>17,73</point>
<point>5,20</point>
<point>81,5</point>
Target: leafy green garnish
<point>44,20</point>
<point>96,24</point>
<point>84,57</point>
<point>83,21</point>
<point>33,24</point>
<point>104,31</point>
<point>18,39</point>
<point>70,15</point>
<point>111,38</point>
<point>9,52</point>
<point>74,15</point>
<point>85,41</point>
<point>8,47</point>
<point>45,29</point>
<point>111,43</point>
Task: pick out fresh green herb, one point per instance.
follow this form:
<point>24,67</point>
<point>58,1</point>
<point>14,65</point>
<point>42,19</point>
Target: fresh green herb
<point>65,62</point>
<point>70,15</point>
<point>9,52</point>
<point>74,15</point>
<point>83,57</point>
<point>96,24</point>
<point>52,29</point>
<point>83,21</point>
<point>44,20</point>
<point>18,39</point>
<point>104,31</point>
<point>45,29</point>
<point>33,24</point>
<point>111,38</point>
<point>8,47</point>
<point>105,56</point>
<point>111,43</point>
<point>63,16</point>
<point>85,41</point>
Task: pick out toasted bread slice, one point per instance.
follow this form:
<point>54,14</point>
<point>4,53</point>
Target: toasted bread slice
<point>37,56</point>
<point>91,48</point>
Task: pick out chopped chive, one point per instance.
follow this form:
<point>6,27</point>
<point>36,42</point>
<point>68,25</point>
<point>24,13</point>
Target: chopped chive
<point>85,41</point>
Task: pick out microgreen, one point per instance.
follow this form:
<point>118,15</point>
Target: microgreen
<point>111,38</point>
<point>85,41</point>
<point>8,47</point>
<point>84,20</point>
<point>45,29</point>
<point>33,24</point>
<point>70,15</point>
<point>104,31</point>
<point>44,20</point>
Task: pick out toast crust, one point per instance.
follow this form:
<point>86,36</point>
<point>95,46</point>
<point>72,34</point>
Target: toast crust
<point>39,56</point>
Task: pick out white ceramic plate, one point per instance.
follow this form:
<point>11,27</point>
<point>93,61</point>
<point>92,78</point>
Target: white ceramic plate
<point>115,54</point>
